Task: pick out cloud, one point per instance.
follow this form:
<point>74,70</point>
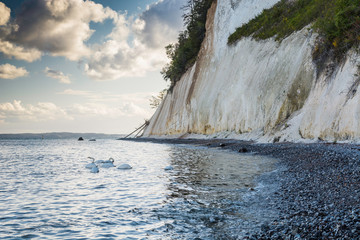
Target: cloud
<point>75,92</point>
<point>16,111</point>
<point>140,98</point>
<point>131,109</point>
<point>8,47</point>
<point>12,50</point>
<point>4,14</point>
<point>95,109</point>
<point>59,27</point>
<point>57,75</point>
<point>42,111</point>
<point>134,47</point>
<point>8,71</point>
<point>112,105</point>
<point>149,34</point>
<point>128,109</point>
<point>106,115</point>
<point>160,23</point>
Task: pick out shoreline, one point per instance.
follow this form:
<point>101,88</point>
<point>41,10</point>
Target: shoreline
<point>319,187</point>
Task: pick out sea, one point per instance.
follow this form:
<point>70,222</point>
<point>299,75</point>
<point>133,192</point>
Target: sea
<point>47,193</point>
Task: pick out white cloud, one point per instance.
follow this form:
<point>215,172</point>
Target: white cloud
<point>140,98</point>
<point>59,27</point>
<point>124,114</point>
<point>94,109</point>
<point>62,28</point>
<point>42,111</point>
<point>128,109</point>
<point>8,47</point>
<point>75,92</point>
<point>57,75</point>
<point>112,105</point>
<point>8,71</point>
<point>12,50</point>
<point>16,111</point>
<point>160,23</point>
<point>131,109</point>
<point>4,14</point>
<point>150,33</point>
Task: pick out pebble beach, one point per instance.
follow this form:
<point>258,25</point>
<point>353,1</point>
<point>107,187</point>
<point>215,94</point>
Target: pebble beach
<point>317,194</point>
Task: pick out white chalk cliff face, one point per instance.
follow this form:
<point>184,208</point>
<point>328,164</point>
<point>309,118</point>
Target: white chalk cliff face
<point>260,90</point>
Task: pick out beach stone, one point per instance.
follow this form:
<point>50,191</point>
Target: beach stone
<point>318,190</point>
<point>243,150</point>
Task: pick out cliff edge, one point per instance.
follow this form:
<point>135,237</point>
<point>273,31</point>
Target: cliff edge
<point>260,90</point>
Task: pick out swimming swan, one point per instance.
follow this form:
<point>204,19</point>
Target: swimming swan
<point>105,161</point>
<point>111,160</point>
<point>107,164</point>
<point>92,164</point>
<point>124,166</point>
<point>95,169</point>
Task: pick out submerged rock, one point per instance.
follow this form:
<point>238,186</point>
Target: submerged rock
<point>243,150</point>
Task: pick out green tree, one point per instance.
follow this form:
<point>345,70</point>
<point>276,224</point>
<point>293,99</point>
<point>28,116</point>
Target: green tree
<point>183,54</point>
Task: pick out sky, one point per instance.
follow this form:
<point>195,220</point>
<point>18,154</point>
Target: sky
<point>82,65</point>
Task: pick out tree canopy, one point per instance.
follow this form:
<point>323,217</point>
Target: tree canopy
<point>183,54</point>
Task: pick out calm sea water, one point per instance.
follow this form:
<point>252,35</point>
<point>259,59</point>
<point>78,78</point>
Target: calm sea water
<point>47,193</point>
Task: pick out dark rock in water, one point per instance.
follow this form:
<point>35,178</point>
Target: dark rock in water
<point>243,150</point>
<point>80,139</point>
<point>222,144</point>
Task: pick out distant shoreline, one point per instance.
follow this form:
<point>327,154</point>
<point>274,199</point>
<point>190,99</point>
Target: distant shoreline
<point>58,135</point>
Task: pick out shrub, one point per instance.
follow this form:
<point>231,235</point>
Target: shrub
<point>183,54</point>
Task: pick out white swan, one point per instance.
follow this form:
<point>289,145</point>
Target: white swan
<point>104,161</point>
<point>124,166</point>
<point>95,169</point>
<point>90,165</point>
<point>100,161</point>
<point>111,160</point>
<point>108,163</point>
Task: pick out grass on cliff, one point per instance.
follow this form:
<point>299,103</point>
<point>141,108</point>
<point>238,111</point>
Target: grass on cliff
<point>337,22</point>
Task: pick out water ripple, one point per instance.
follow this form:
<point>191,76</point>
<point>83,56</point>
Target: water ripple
<point>47,193</point>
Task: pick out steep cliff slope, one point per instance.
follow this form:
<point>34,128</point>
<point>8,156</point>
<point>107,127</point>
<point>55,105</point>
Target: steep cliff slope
<point>260,90</point>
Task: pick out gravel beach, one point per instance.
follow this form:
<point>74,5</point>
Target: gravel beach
<point>318,193</point>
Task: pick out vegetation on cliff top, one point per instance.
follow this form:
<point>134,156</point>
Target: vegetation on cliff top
<point>336,21</point>
<point>183,54</point>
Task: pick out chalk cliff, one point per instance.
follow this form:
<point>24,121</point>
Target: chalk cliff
<point>260,90</point>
